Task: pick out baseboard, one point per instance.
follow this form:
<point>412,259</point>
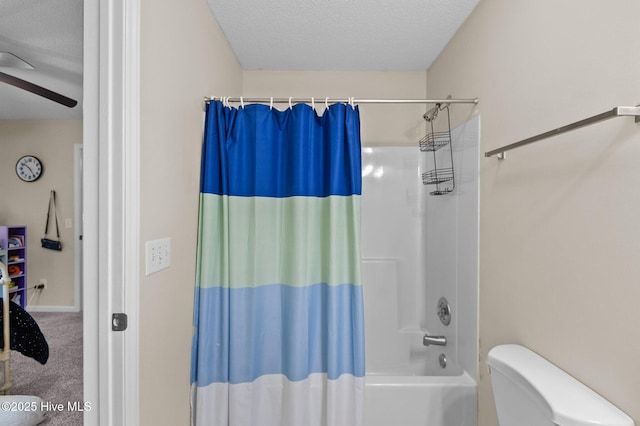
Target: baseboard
<point>45,308</point>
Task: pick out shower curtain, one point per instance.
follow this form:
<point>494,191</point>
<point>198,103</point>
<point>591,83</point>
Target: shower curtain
<point>279,321</point>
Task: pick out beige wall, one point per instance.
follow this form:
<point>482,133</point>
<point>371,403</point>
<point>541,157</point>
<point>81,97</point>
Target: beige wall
<point>184,57</point>
<point>560,244</point>
<point>26,203</point>
<point>380,124</point>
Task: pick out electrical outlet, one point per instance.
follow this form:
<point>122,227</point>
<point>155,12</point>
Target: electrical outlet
<point>158,255</point>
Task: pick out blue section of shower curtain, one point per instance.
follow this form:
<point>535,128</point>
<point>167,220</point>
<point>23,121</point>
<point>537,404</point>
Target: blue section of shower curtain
<point>315,318</point>
<point>270,153</point>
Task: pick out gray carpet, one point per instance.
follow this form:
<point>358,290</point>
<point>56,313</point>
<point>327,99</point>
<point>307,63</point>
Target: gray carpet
<point>59,381</point>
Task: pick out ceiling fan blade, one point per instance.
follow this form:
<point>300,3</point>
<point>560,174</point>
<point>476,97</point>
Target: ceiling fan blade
<point>9,60</point>
<point>38,90</point>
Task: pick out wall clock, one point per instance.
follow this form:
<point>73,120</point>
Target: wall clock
<point>29,168</point>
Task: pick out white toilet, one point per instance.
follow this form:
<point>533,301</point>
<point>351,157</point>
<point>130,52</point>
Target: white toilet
<point>530,391</point>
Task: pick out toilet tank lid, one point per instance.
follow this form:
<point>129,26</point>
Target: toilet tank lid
<point>571,402</point>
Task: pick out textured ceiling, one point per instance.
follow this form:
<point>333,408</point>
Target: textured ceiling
<point>48,35</point>
<point>362,35</point>
<point>319,35</point>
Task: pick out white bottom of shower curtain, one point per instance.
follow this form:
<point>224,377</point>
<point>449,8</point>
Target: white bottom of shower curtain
<point>272,400</point>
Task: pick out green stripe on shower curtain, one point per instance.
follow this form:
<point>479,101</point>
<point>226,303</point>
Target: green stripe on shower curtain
<point>304,243</point>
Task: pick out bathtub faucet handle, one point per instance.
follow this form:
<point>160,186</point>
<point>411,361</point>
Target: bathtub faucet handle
<point>434,340</point>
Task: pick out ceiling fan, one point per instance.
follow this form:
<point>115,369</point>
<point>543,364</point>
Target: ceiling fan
<point>12,61</point>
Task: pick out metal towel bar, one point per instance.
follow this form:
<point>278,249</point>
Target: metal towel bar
<point>619,111</point>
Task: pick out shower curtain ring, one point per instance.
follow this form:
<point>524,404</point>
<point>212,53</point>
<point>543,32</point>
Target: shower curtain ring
<point>242,102</point>
<point>290,105</point>
<point>326,102</point>
<point>313,103</point>
<point>271,103</point>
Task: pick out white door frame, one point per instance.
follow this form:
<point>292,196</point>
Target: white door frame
<point>77,228</point>
<point>111,210</point>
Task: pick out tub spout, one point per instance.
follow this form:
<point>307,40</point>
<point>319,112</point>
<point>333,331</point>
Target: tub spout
<point>434,340</point>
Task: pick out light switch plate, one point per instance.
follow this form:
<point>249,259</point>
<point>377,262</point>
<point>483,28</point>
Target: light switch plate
<point>158,255</point>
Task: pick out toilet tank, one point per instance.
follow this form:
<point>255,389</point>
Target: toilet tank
<point>530,391</point>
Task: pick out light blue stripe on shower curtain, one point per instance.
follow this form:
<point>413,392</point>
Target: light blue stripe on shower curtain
<point>278,291</point>
<point>315,318</point>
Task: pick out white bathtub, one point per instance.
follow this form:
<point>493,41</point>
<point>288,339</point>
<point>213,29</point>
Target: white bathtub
<point>405,384</point>
<point>420,400</point>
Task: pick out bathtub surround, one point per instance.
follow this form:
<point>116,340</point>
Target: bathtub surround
<point>450,241</point>
<point>278,317</point>
<point>417,248</point>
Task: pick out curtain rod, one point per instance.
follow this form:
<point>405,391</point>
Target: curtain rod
<point>344,100</point>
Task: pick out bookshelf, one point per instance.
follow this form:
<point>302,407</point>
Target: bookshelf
<point>13,253</point>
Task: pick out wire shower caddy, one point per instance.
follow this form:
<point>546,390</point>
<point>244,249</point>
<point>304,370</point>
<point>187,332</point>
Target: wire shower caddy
<point>442,177</point>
